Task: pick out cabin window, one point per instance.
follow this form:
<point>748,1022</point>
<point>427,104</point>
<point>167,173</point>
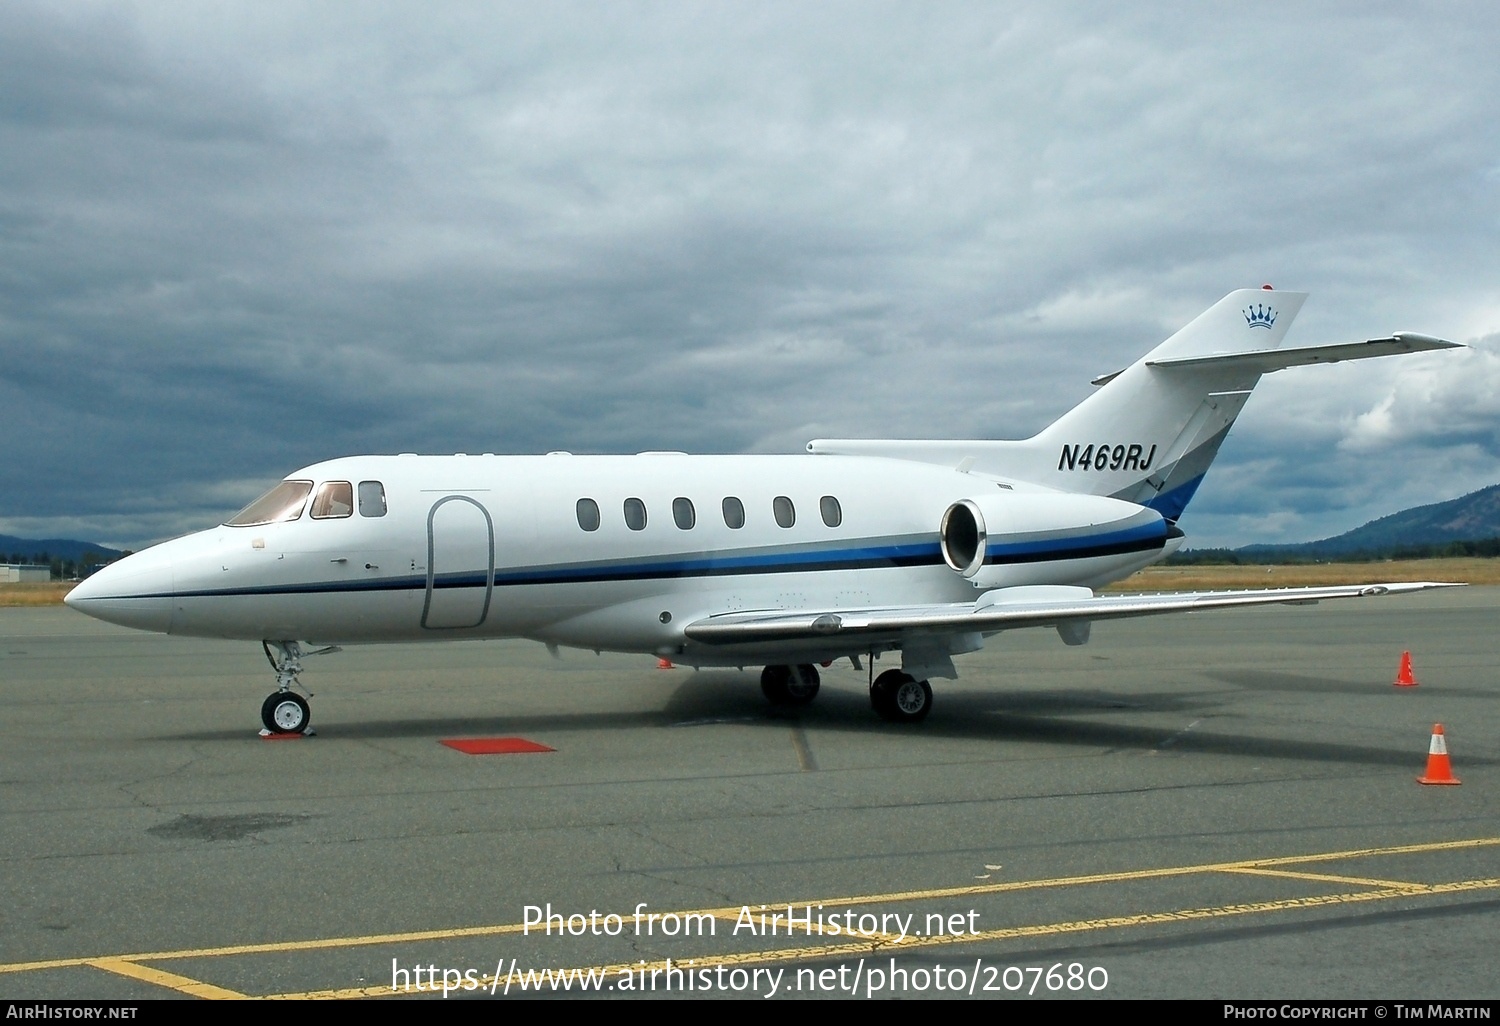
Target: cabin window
<point>371,499</point>
<point>334,499</point>
<point>588,514</point>
<point>786,514</point>
<point>635,514</point>
<point>734,513</point>
<point>833,516</point>
<point>282,503</point>
<point>683,513</point>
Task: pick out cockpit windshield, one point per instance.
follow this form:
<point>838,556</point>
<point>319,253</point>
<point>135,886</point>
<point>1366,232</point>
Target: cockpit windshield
<point>284,502</point>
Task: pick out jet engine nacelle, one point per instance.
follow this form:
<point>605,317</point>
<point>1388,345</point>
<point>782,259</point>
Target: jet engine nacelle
<point>1010,539</point>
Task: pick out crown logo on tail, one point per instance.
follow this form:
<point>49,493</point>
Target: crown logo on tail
<point>1258,315</point>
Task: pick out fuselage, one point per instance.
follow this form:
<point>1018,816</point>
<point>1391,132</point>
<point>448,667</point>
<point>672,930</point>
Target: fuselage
<point>603,552</point>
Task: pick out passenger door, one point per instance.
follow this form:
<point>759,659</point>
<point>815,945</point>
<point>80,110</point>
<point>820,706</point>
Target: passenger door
<point>460,564</point>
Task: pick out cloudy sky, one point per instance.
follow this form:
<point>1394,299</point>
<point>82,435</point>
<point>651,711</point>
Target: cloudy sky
<point>239,238</point>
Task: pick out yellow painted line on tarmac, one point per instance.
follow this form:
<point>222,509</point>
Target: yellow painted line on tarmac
<point>1391,888</point>
<point>616,972</point>
<point>162,978</point>
<point>1359,853</point>
<point>1145,874</point>
<point>1287,874</point>
<point>273,947</point>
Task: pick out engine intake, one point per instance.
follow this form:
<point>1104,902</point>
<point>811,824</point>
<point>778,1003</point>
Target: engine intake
<point>1011,539</point>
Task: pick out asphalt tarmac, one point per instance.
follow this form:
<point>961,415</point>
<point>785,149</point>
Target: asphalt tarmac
<point>1221,805</point>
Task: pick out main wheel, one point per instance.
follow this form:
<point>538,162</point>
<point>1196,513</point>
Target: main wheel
<point>790,685</point>
<point>901,698</point>
<point>285,712</point>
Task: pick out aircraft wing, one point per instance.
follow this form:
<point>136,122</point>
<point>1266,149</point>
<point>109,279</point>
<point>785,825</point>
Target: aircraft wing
<point>1006,609</point>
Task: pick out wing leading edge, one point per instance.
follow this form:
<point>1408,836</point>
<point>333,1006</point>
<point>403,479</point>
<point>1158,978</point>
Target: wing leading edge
<point>1057,606</point>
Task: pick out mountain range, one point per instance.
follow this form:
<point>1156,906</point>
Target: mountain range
<point>1468,518</point>
<point>54,548</point>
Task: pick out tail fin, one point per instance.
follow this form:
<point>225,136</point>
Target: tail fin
<point>1150,432</point>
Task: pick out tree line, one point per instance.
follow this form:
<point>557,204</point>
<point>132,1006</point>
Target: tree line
<point>1485,548</point>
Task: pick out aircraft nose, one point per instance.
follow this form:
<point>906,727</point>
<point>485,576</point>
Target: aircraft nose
<point>134,592</point>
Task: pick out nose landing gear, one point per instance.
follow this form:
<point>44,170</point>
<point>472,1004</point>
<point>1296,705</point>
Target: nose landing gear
<point>284,711</point>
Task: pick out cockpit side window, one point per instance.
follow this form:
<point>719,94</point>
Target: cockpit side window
<point>282,503</point>
<point>371,499</point>
<point>334,499</point>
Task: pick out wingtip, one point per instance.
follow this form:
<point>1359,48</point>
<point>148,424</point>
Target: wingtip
<point>1426,341</point>
<point>1405,586</point>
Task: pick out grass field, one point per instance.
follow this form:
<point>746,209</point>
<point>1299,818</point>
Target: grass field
<point>1200,578</point>
<point>1156,578</point>
<point>35,594</point>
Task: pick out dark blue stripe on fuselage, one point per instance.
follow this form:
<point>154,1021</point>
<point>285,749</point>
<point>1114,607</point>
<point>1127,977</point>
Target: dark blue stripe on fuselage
<point>869,558</point>
<point>1115,543</point>
<point>813,560</point>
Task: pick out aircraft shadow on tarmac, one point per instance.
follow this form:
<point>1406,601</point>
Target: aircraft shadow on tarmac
<point>710,698</point>
<point>1259,680</point>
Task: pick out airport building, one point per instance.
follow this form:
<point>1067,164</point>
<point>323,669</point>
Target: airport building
<point>24,573</point>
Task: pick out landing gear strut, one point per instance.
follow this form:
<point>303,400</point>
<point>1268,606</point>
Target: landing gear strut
<point>285,711</point>
<point>901,698</point>
<point>790,685</point>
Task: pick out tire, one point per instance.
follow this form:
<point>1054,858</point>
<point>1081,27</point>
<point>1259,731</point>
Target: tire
<point>900,698</point>
<point>285,712</point>
<point>884,687</point>
<point>789,685</point>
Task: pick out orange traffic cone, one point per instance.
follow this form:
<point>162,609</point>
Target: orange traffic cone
<point>1438,769</point>
<point>665,664</point>
<point>1404,678</point>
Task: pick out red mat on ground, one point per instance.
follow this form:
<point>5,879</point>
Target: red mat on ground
<point>494,745</point>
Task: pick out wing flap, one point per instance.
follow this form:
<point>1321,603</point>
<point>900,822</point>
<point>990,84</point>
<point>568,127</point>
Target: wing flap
<point>1007,609</point>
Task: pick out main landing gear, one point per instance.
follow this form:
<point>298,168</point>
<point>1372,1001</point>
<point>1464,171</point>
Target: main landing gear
<point>896,695</point>
<point>790,685</point>
<point>284,711</point>
<point>901,698</point>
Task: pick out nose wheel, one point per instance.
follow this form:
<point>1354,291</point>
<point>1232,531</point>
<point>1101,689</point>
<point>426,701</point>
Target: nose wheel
<point>285,712</point>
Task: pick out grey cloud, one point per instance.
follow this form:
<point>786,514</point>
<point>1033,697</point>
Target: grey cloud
<point>238,239</point>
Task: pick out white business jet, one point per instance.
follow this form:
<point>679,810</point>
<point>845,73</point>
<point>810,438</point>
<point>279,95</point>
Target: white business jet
<point>861,548</point>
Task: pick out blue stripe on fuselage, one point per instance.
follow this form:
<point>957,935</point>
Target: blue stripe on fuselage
<point>1085,546</point>
<point>821,557</point>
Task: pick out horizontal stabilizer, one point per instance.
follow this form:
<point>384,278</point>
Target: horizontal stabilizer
<point>999,610</point>
<point>1263,361</point>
